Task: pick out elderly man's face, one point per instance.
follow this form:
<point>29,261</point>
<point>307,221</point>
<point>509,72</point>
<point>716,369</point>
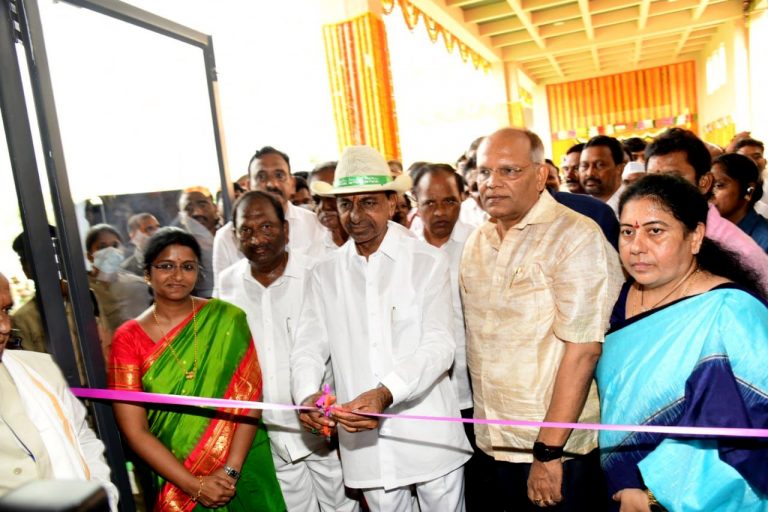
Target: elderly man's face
<point>509,182</point>
<point>6,303</point>
<point>365,216</point>
<point>149,225</point>
<point>570,169</point>
<point>262,237</point>
<point>200,207</point>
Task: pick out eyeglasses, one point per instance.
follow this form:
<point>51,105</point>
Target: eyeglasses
<point>169,268</point>
<point>510,172</point>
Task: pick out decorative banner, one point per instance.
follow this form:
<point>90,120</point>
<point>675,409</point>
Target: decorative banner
<point>411,15</point>
<point>222,403</point>
<point>361,84</point>
<point>637,100</point>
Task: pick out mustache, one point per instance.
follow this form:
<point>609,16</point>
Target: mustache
<point>273,190</point>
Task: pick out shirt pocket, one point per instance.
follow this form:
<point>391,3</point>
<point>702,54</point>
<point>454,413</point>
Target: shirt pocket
<point>527,304</point>
<point>406,329</point>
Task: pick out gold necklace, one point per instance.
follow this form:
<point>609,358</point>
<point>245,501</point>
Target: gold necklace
<point>685,278</point>
<point>189,375</point>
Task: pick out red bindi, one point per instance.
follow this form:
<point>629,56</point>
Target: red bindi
<point>637,225</point>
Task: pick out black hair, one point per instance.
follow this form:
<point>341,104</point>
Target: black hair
<point>256,195</point>
<point>165,237</point>
<point>749,142</point>
<point>438,168</point>
<point>744,171</point>
<point>96,231</point>
<point>269,150</point>
<point>301,183</point>
<point>617,152</point>
<point>576,148</point>
<point>550,162</point>
<point>18,243</point>
<point>683,200</point>
<point>634,145</point>
<point>679,139</point>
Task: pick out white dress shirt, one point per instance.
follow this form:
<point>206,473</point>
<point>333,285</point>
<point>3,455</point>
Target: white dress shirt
<point>471,213</point>
<point>304,232</point>
<point>459,373</point>
<point>385,320</point>
<point>613,201</point>
<point>272,314</point>
<point>225,249</point>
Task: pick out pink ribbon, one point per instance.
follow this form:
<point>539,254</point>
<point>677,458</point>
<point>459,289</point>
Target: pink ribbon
<point>194,401</point>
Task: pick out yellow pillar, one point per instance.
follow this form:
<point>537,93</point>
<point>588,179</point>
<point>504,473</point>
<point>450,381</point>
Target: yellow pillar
<point>361,81</point>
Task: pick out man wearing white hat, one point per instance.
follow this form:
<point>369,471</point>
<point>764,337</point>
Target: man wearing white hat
<point>380,308</point>
<point>633,171</point>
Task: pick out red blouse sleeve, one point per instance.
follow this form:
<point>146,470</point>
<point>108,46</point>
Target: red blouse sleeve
<point>125,358</point>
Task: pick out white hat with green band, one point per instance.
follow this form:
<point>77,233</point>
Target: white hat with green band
<point>361,170</point>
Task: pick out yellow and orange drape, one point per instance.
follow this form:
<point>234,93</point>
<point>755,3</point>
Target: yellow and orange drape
<point>626,102</point>
<point>361,84</point>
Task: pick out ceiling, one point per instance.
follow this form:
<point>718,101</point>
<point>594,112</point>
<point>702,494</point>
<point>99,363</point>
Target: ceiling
<point>556,40</point>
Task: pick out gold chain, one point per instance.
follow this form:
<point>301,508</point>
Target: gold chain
<point>189,375</point>
<point>686,279</point>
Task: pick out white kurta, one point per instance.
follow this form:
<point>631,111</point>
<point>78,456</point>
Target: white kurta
<point>385,320</point>
<point>272,314</point>
<point>459,373</point>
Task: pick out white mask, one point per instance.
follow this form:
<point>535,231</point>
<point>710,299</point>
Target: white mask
<point>108,260</point>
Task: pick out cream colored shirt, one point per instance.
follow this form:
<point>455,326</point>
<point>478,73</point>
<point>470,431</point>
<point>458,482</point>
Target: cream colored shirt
<point>553,278</point>
<point>23,457</point>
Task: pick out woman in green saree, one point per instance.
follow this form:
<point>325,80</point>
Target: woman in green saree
<point>185,345</point>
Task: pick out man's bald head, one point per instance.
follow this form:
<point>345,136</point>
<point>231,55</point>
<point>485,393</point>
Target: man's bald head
<point>506,136</point>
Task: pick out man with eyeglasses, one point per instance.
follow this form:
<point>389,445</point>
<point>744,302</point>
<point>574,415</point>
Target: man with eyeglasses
<point>270,172</point>
<point>538,284</point>
<point>269,285</point>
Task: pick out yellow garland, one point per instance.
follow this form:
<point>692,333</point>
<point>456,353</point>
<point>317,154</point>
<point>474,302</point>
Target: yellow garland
<point>411,15</point>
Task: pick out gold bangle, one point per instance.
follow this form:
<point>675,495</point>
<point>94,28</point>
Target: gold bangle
<point>653,503</point>
<point>200,490</point>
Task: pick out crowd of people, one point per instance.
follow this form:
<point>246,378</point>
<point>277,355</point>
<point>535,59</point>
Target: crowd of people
<point>627,286</point>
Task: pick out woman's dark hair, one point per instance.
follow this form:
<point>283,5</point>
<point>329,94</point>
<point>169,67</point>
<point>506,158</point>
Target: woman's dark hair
<point>165,237</point>
<point>686,204</point>
<point>744,170</point>
<point>95,232</point>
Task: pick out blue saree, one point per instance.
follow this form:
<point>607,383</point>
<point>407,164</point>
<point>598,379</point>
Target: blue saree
<point>701,361</point>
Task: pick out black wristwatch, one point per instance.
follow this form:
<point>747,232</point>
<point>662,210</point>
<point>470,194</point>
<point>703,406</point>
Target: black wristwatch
<point>232,472</point>
<point>544,453</point>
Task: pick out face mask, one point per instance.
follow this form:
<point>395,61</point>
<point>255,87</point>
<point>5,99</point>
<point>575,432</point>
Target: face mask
<point>140,240</point>
<point>308,206</point>
<point>108,260</point>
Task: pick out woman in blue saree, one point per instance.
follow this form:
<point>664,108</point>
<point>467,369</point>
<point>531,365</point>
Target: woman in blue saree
<point>688,346</point>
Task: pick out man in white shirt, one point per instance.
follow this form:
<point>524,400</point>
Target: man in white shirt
<point>268,284</point>
<point>270,172</point>
<point>438,190</point>
<point>380,307</point>
<point>600,167</point>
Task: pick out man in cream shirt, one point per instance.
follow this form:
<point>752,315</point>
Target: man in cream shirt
<point>38,414</point>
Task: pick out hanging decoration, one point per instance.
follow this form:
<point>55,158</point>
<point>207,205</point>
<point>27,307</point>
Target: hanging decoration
<point>637,101</point>
<point>411,15</point>
<point>361,84</point>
